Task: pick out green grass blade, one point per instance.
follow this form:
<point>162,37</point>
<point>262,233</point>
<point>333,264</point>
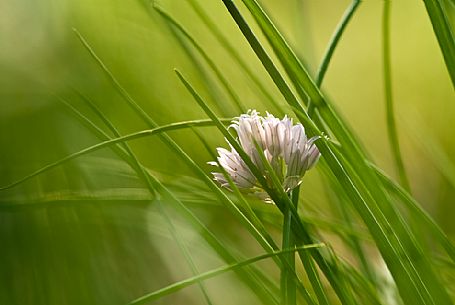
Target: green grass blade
<point>415,208</point>
<point>391,124</point>
<point>444,33</point>
<point>210,274</point>
<point>111,142</point>
<point>287,282</point>
<point>308,262</point>
<point>333,43</point>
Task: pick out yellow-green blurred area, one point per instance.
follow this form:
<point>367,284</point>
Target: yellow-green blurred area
<point>89,232</point>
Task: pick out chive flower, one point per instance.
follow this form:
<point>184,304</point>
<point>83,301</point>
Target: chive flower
<point>284,145</point>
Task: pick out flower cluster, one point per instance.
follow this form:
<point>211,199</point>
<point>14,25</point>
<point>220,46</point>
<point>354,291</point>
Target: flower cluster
<point>284,145</point>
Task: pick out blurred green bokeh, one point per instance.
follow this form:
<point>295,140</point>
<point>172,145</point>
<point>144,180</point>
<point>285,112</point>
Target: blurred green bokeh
<point>59,246</point>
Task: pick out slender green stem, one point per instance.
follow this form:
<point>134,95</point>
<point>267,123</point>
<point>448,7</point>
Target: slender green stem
<point>146,299</point>
<point>339,30</point>
<point>287,282</point>
<point>391,124</point>
<point>444,33</point>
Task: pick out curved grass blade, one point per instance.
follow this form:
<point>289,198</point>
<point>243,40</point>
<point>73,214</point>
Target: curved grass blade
<point>327,57</point>
<point>391,124</point>
<point>339,30</point>
<point>415,208</point>
<point>213,273</point>
<point>444,33</point>
<point>108,143</point>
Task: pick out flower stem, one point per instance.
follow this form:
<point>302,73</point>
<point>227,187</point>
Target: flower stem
<point>308,263</point>
<point>288,288</point>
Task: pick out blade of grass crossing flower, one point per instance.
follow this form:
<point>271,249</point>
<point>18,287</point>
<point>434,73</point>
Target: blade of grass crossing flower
<point>301,232</point>
<point>444,33</point>
<point>288,267</point>
<point>287,282</point>
<point>219,75</point>
<point>391,124</point>
<point>247,208</point>
<point>356,158</point>
<point>210,274</point>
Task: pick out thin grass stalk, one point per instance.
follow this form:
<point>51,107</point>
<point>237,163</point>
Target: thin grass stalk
<point>390,115</point>
<point>355,242</point>
<point>287,282</point>
<point>333,43</point>
<point>212,273</point>
<point>308,263</point>
<point>444,33</point>
<point>413,206</point>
